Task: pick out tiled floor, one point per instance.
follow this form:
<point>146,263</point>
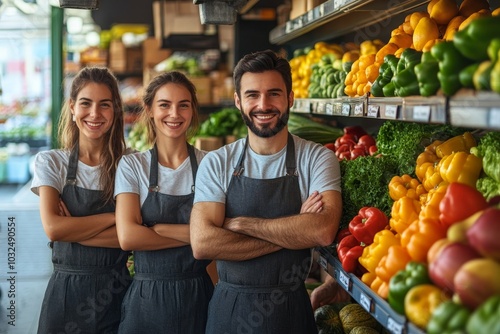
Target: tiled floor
<point>25,264</point>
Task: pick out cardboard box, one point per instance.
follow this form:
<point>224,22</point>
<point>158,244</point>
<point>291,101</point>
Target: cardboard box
<point>299,7</point>
<point>203,89</point>
<point>209,143</point>
<point>179,17</point>
<point>152,54</point>
<point>123,59</point>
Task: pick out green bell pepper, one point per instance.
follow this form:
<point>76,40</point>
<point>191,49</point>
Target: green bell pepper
<point>405,80</point>
<point>451,62</point>
<point>385,74</point>
<point>448,318</point>
<point>415,273</point>
<point>485,319</point>
<point>466,75</point>
<point>481,77</point>
<point>473,41</point>
<point>426,73</point>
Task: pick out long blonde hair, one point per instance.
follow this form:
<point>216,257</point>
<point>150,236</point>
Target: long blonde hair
<point>114,139</point>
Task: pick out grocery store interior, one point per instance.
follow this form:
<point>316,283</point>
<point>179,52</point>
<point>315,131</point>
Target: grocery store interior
<point>404,91</point>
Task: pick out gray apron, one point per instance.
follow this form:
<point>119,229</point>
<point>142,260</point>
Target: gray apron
<point>171,289</point>
<point>265,295</point>
<point>86,289</point>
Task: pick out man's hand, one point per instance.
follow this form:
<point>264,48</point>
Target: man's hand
<point>313,203</point>
<point>328,293</point>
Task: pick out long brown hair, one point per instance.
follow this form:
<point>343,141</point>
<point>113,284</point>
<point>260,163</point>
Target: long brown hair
<point>114,139</point>
<point>162,79</point>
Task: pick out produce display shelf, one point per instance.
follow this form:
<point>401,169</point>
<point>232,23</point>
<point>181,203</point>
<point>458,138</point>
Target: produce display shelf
<point>470,109</point>
<point>335,18</point>
<point>476,109</point>
<point>379,308</point>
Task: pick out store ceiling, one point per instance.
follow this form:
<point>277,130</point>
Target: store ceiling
<point>24,18</point>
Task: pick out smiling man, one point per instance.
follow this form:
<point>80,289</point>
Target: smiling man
<point>261,204</point>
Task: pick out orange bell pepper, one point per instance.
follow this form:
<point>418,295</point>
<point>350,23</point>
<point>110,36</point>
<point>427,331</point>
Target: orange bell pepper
<point>419,237</point>
<point>373,253</point>
<point>461,167</point>
<point>405,185</point>
<point>380,287</point>
<point>404,211</point>
<point>396,259</point>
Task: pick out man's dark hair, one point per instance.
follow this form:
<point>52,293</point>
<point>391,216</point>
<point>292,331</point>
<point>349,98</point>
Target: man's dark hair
<point>261,61</point>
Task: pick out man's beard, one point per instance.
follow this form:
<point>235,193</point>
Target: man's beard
<point>266,131</point>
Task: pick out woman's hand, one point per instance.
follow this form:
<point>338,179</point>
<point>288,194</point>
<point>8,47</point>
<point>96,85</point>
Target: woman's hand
<point>313,203</point>
<point>63,210</point>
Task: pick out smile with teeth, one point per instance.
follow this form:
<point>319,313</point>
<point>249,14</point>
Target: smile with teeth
<point>172,124</point>
<point>94,125</point>
<point>264,117</point>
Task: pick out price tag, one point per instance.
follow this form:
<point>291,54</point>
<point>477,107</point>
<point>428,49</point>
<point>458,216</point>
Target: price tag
<point>358,109</point>
<point>323,263</point>
<point>337,109</point>
<point>346,109</point>
<point>421,113</point>
<point>373,111</point>
<point>329,109</point>
<point>366,302</point>
<point>391,111</point>
<point>321,11</point>
<point>338,3</point>
<point>494,118</point>
<point>310,16</point>
<point>320,108</point>
<point>394,327</point>
<point>289,27</point>
<point>344,280</point>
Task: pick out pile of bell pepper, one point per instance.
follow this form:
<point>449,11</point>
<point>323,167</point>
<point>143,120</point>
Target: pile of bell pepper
<point>362,229</point>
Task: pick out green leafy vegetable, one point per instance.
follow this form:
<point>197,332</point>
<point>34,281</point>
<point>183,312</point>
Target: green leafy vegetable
<point>364,183</point>
<point>489,150</point>
<point>406,140</point>
<point>224,122</point>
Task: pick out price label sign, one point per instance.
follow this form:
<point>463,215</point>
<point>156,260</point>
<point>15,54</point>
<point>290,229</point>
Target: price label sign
<point>337,109</point>
<point>421,113</point>
<point>365,302</point>
<point>338,3</point>
<point>344,280</point>
<point>310,16</point>
<point>321,108</point>
<point>358,109</point>
<point>321,11</point>
<point>323,263</point>
<point>373,111</point>
<point>329,109</point>
<point>346,109</point>
<point>391,111</point>
<point>494,118</point>
<point>394,327</point>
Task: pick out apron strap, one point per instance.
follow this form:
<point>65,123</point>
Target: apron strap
<point>72,166</point>
<point>153,170</point>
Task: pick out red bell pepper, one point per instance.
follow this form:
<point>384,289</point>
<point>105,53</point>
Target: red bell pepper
<point>349,250</point>
<point>460,202</point>
<point>341,234</point>
<point>366,223</point>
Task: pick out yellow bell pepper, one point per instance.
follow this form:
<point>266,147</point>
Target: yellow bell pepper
<point>421,301</point>
<point>460,143</point>
<point>373,253</point>
<point>432,177</point>
<point>430,209</point>
<point>461,167</point>
<point>404,212</point>
<point>426,159</point>
<point>405,185</point>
